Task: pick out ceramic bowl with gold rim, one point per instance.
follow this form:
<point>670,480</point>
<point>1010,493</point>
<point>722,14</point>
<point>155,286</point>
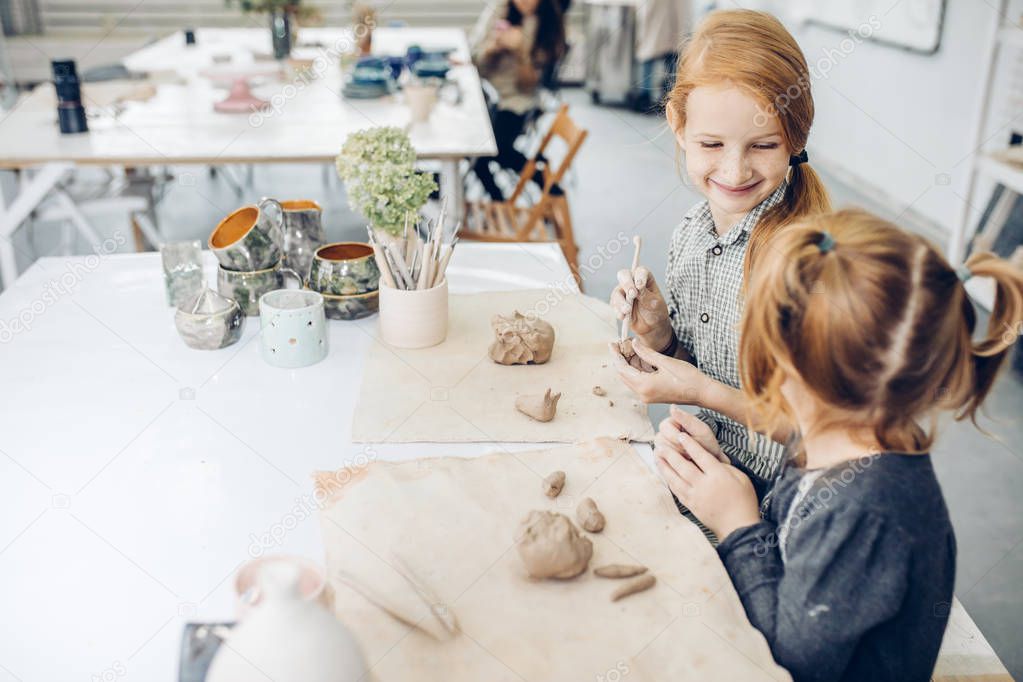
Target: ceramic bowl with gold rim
<point>351,307</point>
<point>344,269</point>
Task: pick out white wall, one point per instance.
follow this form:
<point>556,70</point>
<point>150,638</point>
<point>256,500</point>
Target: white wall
<point>897,120</point>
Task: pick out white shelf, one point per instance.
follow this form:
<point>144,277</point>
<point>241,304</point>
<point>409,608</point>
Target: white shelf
<point>982,290</point>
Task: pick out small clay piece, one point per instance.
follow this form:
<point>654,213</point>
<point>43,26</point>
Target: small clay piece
<point>553,484</point>
<point>610,403</point>
<point>619,571</point>
<point>588,516</point>
<point>597,390</point>
<point>550,546</point>
<point>630,355</point>
<point>540,407</point>
<point>521,340</point>
<point>643,582</point>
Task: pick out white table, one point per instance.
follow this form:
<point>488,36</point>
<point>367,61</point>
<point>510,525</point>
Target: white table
<point>137,475</point>
<point>308,120</point>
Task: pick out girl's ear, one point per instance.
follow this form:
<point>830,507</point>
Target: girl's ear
<point>675,123</point>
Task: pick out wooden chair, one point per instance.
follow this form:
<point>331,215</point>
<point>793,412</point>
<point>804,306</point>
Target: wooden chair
<point>549,219</point>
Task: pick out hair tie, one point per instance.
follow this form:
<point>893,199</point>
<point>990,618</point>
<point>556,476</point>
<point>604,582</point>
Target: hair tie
<point>801,157</point>
<point>963,273</point>
<point>827,242</point>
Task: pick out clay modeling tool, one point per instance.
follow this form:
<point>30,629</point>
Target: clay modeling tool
<point>631,298</point>
<point>438,609</point>
<point>381,260</point>
<point>384,603</point>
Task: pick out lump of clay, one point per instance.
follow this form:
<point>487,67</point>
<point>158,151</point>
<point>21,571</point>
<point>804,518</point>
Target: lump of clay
<point>643,582</point>
<point>619,571</point>
<point>551,547</point>
<point>540,407</point>
<point>588,516</point>
<point>553,484</point>
<point>633,358</point>
<point>597,390</point>
<point>520,340</point>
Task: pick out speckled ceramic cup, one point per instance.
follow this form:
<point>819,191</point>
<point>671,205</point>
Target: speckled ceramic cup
<point>251,238</point>
<point>247,287</point>
<point>344,269</point>
<point>303,233</point>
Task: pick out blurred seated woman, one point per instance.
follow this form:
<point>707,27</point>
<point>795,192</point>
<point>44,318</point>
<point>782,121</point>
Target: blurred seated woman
<point>518,42</point>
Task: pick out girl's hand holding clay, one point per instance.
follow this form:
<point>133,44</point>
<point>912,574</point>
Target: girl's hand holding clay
<point>720,495</point>
<point>638,295</point>
<point>660,378</point>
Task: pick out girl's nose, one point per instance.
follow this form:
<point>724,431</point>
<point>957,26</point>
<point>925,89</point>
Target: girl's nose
<point>735,167</point>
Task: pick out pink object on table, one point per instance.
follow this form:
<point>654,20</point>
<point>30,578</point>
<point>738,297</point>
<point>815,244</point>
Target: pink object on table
<point>312,582</point>
<point>240,100</point>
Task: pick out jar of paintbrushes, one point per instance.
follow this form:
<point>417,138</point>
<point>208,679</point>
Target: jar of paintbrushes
<point>413,284</point>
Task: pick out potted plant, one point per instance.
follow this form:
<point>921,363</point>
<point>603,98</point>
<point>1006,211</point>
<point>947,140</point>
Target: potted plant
<point>378,168</point>
<point>281,13</point>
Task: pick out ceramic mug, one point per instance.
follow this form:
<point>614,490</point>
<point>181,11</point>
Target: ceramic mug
<point>251,238</point>
<point>293,328</point>
<point>416,318</point>
<point>303,233</point>
<point>344,269</point>
<point>247,287</point>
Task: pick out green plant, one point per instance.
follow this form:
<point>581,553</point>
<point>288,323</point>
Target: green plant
<point>378,168</point>
<point>293,7</point>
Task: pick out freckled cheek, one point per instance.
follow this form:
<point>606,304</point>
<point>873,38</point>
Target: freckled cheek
<point>698,166</point>
<point>774,168</point>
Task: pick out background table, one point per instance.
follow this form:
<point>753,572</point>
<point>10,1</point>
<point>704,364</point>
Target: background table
<point>137,474</point>
<point>307,122</point>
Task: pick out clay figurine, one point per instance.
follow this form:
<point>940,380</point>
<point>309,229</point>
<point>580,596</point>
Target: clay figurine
<point>542,408</point>
<point>553,484</point>
<point>588,516</point>
<point>643,582</point>
<point>550,546</point>
<point>631,357</point>
<point>521,340</point>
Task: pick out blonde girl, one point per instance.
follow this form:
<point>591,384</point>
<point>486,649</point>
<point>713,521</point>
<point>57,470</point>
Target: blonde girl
<point>857,333</point>
<point>741,111</point>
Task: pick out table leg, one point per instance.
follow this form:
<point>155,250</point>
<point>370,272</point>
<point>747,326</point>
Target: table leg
<point>13,214</point>
<point>451,188</point>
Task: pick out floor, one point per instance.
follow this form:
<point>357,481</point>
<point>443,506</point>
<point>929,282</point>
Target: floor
<point>626,182</point>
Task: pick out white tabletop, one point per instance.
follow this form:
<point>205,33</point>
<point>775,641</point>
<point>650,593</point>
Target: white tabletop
<point>308,119</point>
<point>137,474</point>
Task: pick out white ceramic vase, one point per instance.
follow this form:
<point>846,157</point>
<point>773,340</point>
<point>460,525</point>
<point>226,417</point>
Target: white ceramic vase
<point>286,639</point>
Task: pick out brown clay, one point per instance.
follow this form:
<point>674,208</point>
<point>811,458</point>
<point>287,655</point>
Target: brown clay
<point>619,571</point>
<point>553,484</point>
<point>542,408</point>
<point>550,546</point>
<point>597,390</point>
<point>520,340</point>
<point>643,582</point>
<point>632,358</point>
<point>588,516</point>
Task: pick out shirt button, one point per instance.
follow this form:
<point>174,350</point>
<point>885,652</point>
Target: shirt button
<point>704,317</point>
<point>716,250</point>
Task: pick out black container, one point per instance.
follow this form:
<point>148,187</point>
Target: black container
<point>189,36</point>
<point>70,112</point>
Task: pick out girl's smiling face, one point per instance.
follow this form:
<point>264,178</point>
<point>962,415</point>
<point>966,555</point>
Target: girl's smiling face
<point>735,153</point>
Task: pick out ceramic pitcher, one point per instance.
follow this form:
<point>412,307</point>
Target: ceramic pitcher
<point>303,233</point>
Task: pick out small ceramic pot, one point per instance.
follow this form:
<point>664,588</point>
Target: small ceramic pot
<point>343,269</point>
<point>303,233</point>
<point>293,328</point>
<point>414,318</point>
<point>312,582</point>
<point>247,287</point>
<point>351,307</point>
<point>209,321</point>
<point>251,238</point>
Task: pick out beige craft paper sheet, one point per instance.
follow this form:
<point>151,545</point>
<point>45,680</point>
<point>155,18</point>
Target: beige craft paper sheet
<point>453,520</point>
<point>455,393</point>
